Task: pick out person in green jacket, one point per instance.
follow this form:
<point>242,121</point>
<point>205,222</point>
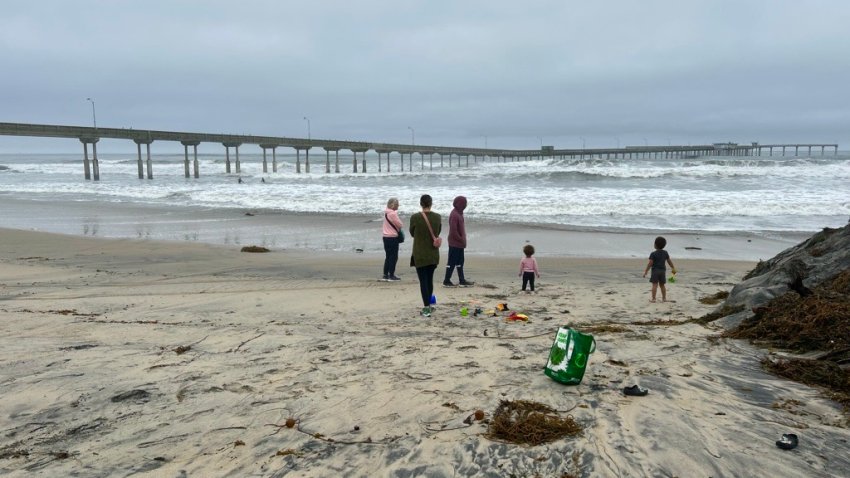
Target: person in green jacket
<point>426,255</point>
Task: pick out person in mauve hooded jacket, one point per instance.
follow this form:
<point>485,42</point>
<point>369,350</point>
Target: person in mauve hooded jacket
<point>457,243</point>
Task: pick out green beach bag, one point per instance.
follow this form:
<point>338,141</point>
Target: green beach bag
<point>568,356</point>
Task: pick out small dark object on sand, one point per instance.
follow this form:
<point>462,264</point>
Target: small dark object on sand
<point>691,248</point>
<point>254,249</point>
<point>635,391</point>
<point>787,442</point>
<point>135,395</point>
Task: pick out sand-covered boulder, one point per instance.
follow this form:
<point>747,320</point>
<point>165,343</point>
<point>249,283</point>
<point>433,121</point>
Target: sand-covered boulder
<point>801,268</point>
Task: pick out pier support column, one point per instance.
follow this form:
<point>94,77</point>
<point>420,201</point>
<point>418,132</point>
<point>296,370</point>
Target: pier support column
<point>274,160</point>
<point>186,145</point>
<point>185,160</point>
<point>141,166</point>
<point>195,167</point>
<point>431,161</point>
<point>336,168</point>
<point>822,149</point>
<point>227,147</point>
<point>86,165</point>
<point>265,162</point>
<point>797,150</point>
<point>783,151</point>
<point>150,163</point>
<point>810,150</point>
<point>297,160</point>
<point>380,167</point>
<point>354,161</point>
<point>307,160</point>
<point>327,161</point>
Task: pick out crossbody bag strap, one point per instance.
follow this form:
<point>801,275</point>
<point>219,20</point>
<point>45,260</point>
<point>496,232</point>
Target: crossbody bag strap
<point>391,223</point>
<point>428,223</point>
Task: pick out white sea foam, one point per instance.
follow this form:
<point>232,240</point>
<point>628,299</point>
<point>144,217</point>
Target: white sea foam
<point>712,194</point>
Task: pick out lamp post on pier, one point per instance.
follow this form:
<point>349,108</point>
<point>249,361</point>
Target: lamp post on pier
<point>93,114</point>
<point>308,127</point>
<point>412,136</point>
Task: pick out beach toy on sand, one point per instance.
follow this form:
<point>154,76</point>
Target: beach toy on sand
<point>515,316</point>
<point>672,279</point>
<point>433,299</point>
<point>464,311</point>
<point>568,356</point>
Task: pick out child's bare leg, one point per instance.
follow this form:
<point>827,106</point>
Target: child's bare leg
<point>663,292</point>
<point>654,288</point>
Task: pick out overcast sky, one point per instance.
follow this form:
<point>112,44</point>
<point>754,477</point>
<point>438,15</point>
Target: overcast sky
<point>455,71</point>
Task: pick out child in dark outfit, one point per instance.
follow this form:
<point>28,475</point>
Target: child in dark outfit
<point>656,262</point>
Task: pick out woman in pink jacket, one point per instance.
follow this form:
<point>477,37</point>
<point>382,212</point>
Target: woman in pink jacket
<point>391,229</point>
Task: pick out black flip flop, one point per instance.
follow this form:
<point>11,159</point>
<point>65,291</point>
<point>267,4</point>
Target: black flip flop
<point>787,442</point>
<point>636,391</point>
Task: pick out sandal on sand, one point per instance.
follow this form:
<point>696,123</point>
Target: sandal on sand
<point>637,391</point>
<point>787,442</point>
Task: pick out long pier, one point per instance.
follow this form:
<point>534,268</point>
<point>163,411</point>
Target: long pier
<point>91,135</point>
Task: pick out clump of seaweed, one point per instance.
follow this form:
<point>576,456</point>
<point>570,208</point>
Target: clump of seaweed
<point>603,328</point>
<point>723,312</point>
<point>817,322</point>
<point>254,249</point>
<point>529,423</point>
<point>714,299</point>
<point>815,373</point>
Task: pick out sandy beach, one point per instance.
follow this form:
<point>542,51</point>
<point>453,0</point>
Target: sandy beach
<point>181,359</point>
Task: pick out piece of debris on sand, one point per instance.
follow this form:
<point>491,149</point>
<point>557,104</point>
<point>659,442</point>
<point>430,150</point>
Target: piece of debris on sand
<point>254,249</point>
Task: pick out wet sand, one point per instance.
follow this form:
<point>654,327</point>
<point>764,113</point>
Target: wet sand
<point>146,358</point>
<point>351,233</point>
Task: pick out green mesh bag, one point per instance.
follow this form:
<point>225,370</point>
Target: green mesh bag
<point>568,356</point>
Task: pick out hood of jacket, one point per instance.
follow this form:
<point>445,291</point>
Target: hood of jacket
<point>459,203</point>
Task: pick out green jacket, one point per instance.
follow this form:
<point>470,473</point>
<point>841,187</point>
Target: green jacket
<point>424,252</point>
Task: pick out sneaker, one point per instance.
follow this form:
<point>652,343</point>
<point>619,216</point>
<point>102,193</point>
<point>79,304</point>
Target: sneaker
<point>466,283</point>
<point>426,312</point>
<point>393,278</point>
<point>449,284</point>
<point>385,278</point>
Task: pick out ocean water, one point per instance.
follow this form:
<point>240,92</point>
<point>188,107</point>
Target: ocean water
<point>756,195</point>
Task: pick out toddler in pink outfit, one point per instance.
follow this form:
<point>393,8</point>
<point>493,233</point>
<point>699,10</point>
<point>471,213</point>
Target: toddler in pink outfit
<point>528,268</point>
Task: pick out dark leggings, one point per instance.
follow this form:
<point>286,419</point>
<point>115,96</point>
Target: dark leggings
<point>391,250</point>
<point>426,282</point>
<point>527,278</point>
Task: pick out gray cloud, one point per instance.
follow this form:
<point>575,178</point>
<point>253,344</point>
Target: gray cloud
<point>684,72</point>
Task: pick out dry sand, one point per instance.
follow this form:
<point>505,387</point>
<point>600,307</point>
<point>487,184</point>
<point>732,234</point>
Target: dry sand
<point>142,358</point>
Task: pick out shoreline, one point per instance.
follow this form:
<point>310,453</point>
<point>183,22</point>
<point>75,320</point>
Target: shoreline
<point>354,233</point>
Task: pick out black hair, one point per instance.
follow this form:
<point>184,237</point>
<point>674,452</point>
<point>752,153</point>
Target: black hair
<point>660,242</point>
<point>425,200</point>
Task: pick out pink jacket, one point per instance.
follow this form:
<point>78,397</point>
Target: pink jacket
<point>388,230</point>
<point>528,264</point>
